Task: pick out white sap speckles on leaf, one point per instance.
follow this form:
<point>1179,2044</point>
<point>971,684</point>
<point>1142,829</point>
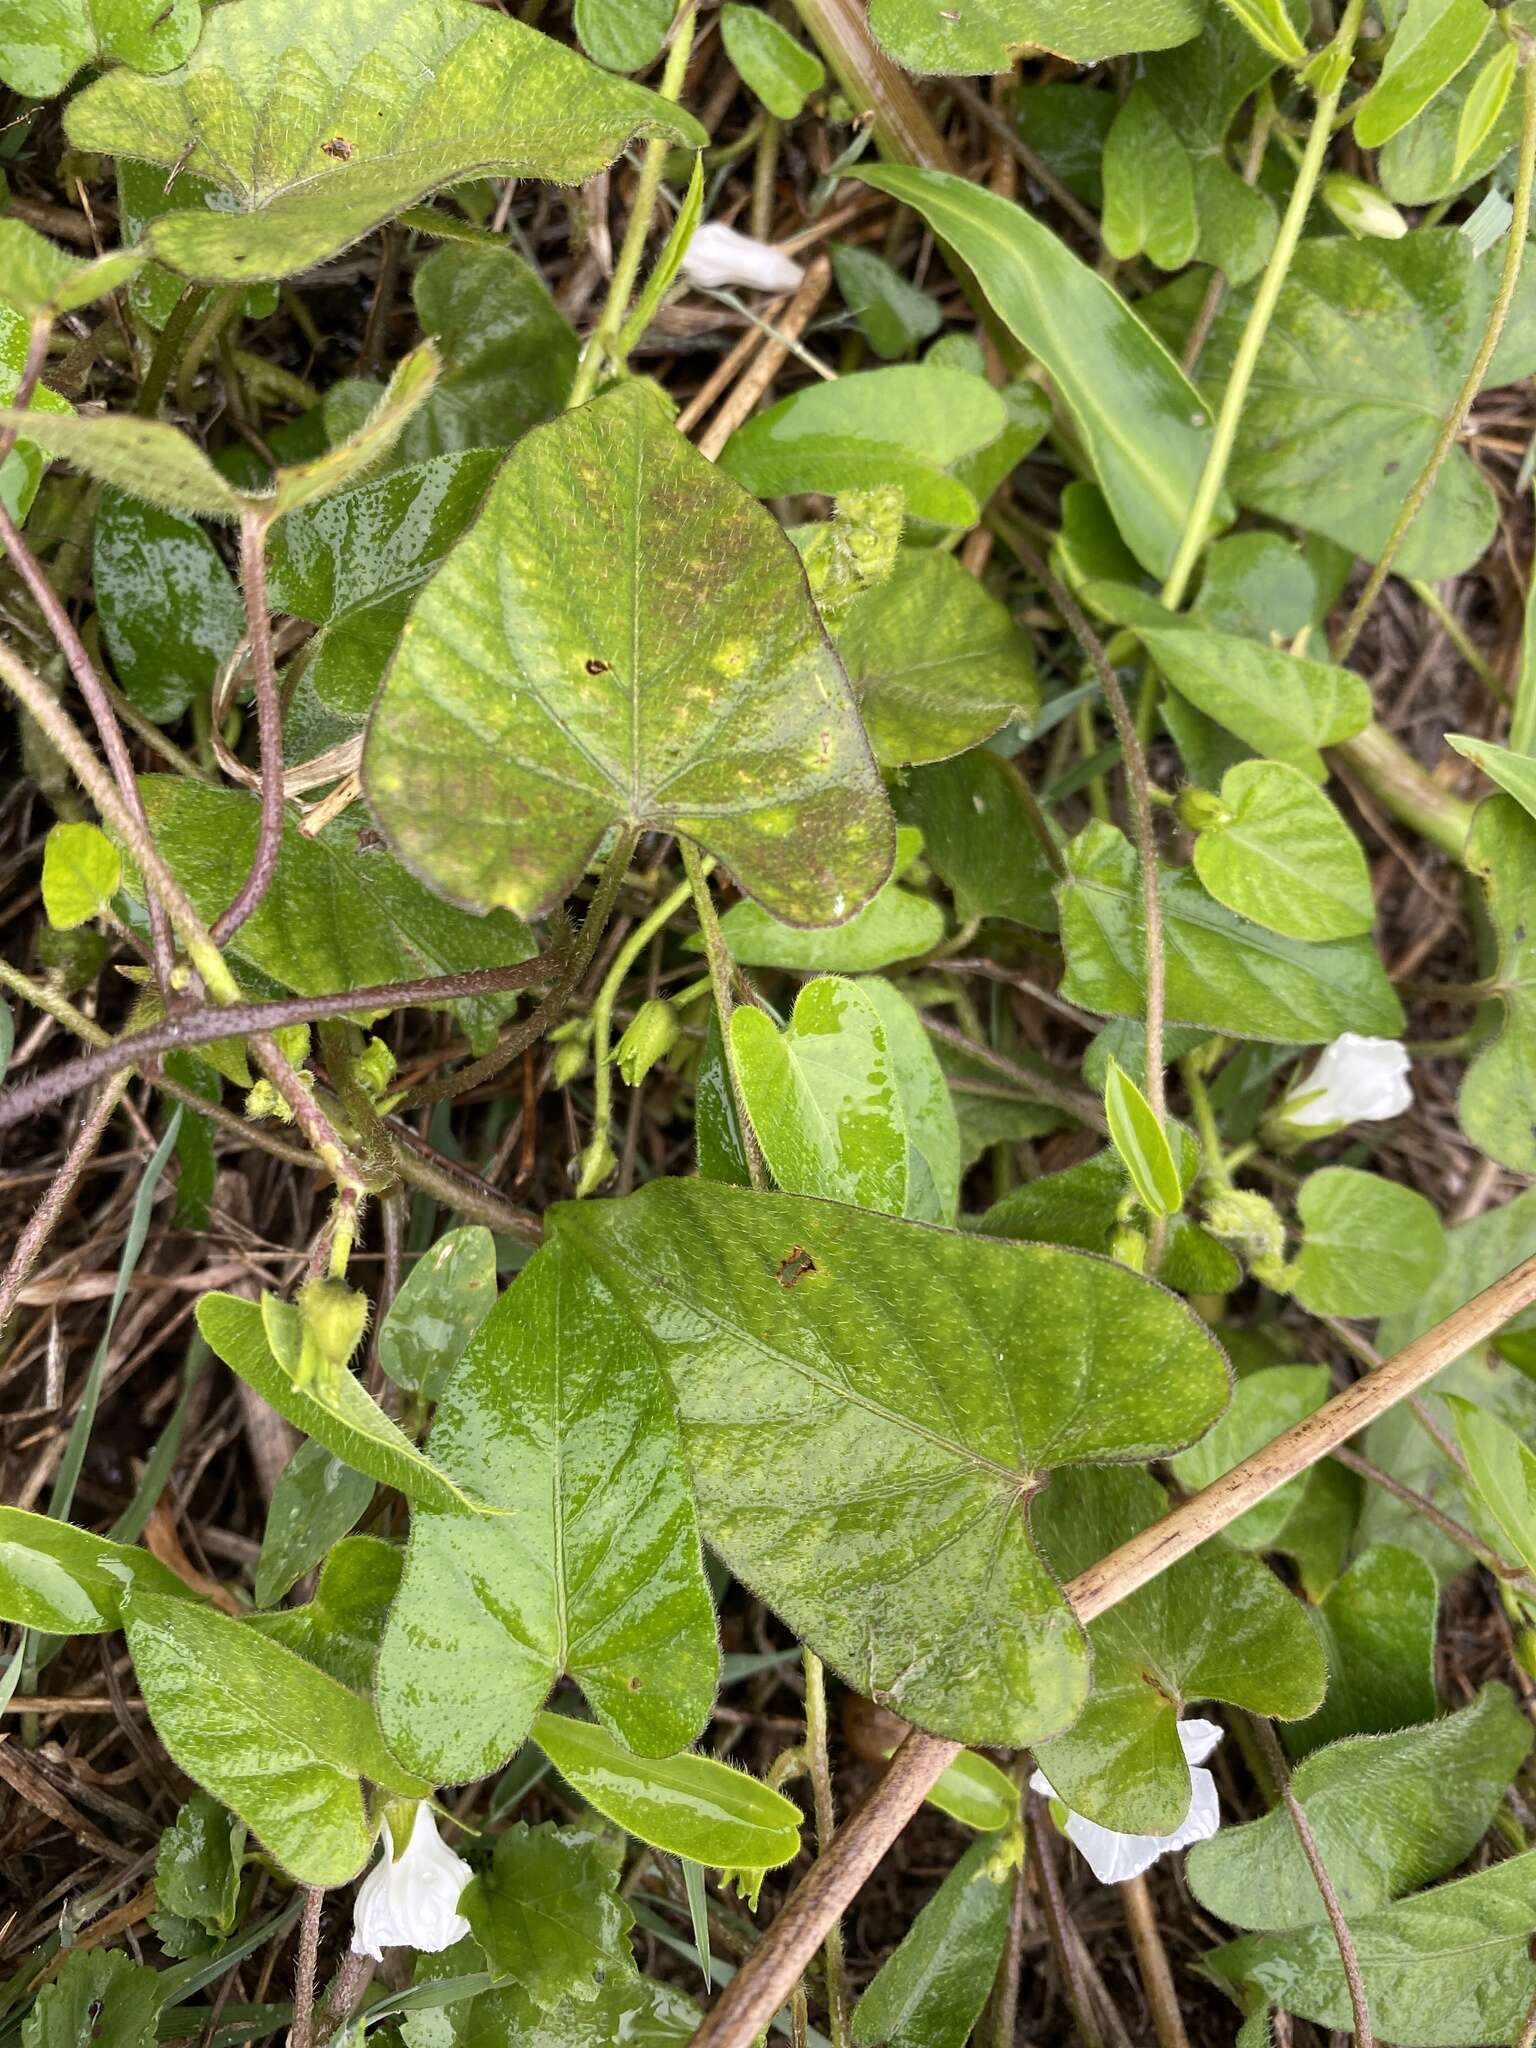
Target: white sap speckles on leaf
<point>1356,1080</point>
<point>719,255</point>
<point>1115,1858</point>
<point>411,1900</point>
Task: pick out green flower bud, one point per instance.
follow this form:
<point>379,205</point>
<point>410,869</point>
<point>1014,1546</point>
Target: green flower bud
<point>651,1036</point>
<point>264,1100</point>
<point>375,1066</point>
<point>334,1318</point>
<point>1129,1246</point>
<point>1203,811</point>
<point>597,1162</point>
<point>1249,1222</point>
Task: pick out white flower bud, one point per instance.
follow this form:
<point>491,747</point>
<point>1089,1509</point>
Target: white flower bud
<point>1115,1858</point>
<point>411,1900</point>
<point>1361,208</point>
<point>718,255</point>
<point>1357,1080</point>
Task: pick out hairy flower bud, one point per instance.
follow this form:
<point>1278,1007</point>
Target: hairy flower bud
<point>651,1035</point>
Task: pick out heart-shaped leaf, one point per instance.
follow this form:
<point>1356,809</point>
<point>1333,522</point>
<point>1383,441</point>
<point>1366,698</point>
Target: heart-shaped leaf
<point>1498,1096</point>
<point>867,1407</point>
<point>986,35</point>
<point>1145,427</point>
<point>557,1415</point>
<point>1378,1626</point>
<point>936,662</point>
<point>322,118</point>
<point>823,1098</point>
<point>689,1805</point>
<point>1149,186</point>
<point>910,425</point>
<point>1449,1965</point>
<point>1215,1625</point>
<point>623,635</point>
<point>1369,1245</point>
<point>43,43</point>
<point>1284,857</point>
<point>1389,1813</point>
<point>1223,973</point>
<point>339,914</point>
<point>271,1737</point>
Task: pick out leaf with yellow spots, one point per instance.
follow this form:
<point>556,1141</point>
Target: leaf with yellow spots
<point>624,637</point>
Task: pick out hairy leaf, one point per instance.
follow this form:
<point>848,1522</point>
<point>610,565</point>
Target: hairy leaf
<point>987,35</point>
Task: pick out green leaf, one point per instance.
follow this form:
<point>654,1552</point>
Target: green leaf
<point>624,2007</point>
<point>197,1878</point>
<point>1223,973</point>
<point>1142,1143</point>
<point>926,35</point>
<point>936,662</point>
<point>690,1805</point>
<point>316,1501</point>
<point>1264,1404</point>
<point>526,710</point>
<point>1369,346</point>
<point>1266,588</point>
<point>1448,1966</point>
<point>1081,1206</point>
<point>978,839</point>
<point>1369,1246</point>
<point>322,118</point>
<point>1271,28</point>
<point>273,1739</point>
<point>42,46</point>
<point>975,1792</point>
<point>1145,428</point>
<point>339,1414</point>
<point>1484,104</point>
<point>909,425</point>
<point>99,1995</point>
<point>896,924</point>
<point>624,35</point>
<point>1390,1814</point>
<point>22,469</point>
<point>781,72</point>
<point>340,1629</point>
<point>915,1386</point>
<point>930,1991</point>
<point>1416,168</point>
<point>1149,186</point>
<point>933,1131</point>
<point>1284,857</point>
<point>1378,1626</point>
<point>557,1415</point>
<point>822,1097</point>
<point>68,1582</point>
<point>1434,40</point>
<point>169,610</point>
<point>1215,1625</point>
<point>147,457</point>
<point>1279,703</point>
<point>546,1913</point>
<point>447,1295</point>
<point>339,914</point>
<point>1498,1096</point>
<point>508,352</point>
<point>894,315</point>
<point>1513,772</point>
<point>1502,1472</point>
<point>81,874</point>
<point>42,281</point>
<point>352,563</point>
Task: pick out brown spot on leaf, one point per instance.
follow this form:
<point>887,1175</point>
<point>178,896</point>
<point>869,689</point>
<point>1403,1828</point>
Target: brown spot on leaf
<point>597,667</point>
<point>794,1266</point>
<point>338,147</point>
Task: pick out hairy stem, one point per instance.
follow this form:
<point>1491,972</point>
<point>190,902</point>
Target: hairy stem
<point>873,85</point>
<point>1208,491</point>
<point>602,1009</point>
<point>720,980</point>
<point>269,724</point>
<point>1456,418</point>
<point>40,1225</point>
<point>603,347</point>
<point>1280,1770</point>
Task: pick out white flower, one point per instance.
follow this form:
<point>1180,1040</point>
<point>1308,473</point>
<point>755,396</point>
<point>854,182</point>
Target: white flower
<point>1357,1080</point>
<point>718,255</point>
<point>411,1900</point>
<point>1115,1858</point>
